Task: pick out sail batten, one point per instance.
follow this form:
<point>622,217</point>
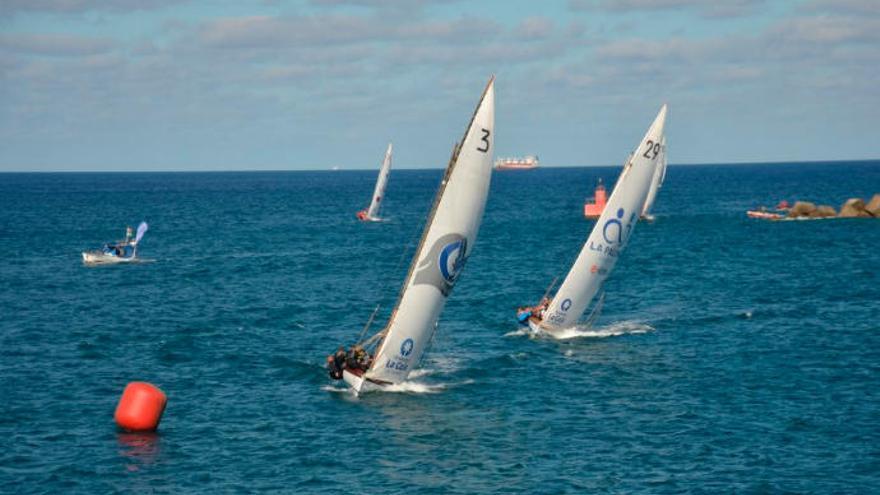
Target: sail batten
<point>611,233</point>
<point>445,244</point>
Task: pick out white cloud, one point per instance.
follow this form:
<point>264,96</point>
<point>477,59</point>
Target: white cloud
<point>843,7</point>
<point>61,45</point>
<point>12,7</point>
<point>707,9</point>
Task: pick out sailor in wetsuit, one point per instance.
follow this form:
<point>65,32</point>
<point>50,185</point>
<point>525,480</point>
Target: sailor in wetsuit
<point>334,372</point>
<point>524,313</point>
<point>336,363</point>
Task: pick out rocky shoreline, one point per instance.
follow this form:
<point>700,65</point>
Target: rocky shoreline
<point>852,208</point>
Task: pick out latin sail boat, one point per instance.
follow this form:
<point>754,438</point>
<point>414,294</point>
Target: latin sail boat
<point>605,243</point>
<point>445,245</point>
<point>371,214</point>
<point>656,182</point>
<point>123,251</point>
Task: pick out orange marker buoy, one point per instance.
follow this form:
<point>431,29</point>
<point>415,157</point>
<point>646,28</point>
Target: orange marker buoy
<point>140,407</point>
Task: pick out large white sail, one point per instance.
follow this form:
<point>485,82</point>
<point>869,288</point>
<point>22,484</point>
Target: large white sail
<point>609,235</point>
<point>381,182</point>
<point>444,248</point>
<point>657,181</point>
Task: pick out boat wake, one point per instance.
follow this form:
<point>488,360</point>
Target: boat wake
<point>336,390</point>
<point>520,332</point>
<point>613,330</point>
<point>414,387</point>
<point>627,327</point>
<point>138,261</point>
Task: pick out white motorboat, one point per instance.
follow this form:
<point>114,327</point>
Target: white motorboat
<point>124,251</point>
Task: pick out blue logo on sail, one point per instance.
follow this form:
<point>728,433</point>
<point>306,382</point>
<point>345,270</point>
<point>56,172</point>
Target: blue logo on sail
<point>406,347</point>
<point>614,222</point>
<point>443,262</point>
<point>452,259</point>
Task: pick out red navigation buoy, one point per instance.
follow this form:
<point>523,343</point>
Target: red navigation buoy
<point>140,407</point>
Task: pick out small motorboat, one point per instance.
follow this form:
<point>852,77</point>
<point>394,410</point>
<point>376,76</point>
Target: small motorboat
<point>124,251</point>
<point>764,215</point>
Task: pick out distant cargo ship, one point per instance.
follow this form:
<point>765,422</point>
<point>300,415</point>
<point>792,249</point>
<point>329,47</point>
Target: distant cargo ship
<point>526,163</point>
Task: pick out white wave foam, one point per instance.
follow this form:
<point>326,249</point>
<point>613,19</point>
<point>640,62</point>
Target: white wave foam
<point>421,372</point>
<point>612,330</point>
<point>415,387</point>
<point>442,364</point>
<point>521,331</point>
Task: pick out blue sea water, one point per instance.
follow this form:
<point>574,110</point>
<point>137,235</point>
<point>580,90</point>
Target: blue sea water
<point>732,355</point>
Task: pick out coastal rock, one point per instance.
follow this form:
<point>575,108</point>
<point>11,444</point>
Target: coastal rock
<point>801,209</point>
<point>823,211</point>
<point>854,208</point>
<point>873,206</point>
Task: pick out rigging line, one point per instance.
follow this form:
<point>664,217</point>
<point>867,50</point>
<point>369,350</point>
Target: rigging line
<point>550,287</point>
<point>369,322</point>
<point>597,310</point>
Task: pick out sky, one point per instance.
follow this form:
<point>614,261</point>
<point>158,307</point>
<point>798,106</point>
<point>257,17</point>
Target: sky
<point>130,85</point>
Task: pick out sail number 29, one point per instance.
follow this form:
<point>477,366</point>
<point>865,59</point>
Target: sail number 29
<point>652,151</point>
<point>485,140</point>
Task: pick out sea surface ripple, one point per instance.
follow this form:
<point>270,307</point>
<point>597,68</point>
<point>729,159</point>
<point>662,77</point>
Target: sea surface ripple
<point>732,354</point>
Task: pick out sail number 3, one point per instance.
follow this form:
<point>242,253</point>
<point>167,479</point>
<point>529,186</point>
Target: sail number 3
<point>652,151</point>
<point>484,140</point>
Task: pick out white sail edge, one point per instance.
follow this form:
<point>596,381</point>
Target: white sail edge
<point>610,234</point>
<point>381,183</point>
<point>449,235</point>
<point>657,181</point>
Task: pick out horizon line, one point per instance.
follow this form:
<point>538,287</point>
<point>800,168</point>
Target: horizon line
<point>331,169</point>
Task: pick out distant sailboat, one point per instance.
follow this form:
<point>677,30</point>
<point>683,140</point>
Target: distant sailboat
<point>371,214</point>
<point>656,182</point>
<point>446,243</point>
<point>605,243</point>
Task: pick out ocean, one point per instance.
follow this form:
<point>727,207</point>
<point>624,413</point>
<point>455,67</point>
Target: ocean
<point>732,354</point>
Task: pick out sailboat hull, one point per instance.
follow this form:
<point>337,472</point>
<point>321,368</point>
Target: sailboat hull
<point>364,216</point>
<point>99,258</point>
<point>535,326</point>
<point>359,384</point>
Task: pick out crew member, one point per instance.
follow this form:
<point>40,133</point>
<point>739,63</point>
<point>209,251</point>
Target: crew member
<point>541,307</point>
<point>334,372</point>
<point>362,358</point>
<point>339,358</point>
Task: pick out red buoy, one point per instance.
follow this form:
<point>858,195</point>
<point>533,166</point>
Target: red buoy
<point>140,407</point>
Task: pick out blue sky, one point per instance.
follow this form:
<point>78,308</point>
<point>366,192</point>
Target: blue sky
<point>312,84</point>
